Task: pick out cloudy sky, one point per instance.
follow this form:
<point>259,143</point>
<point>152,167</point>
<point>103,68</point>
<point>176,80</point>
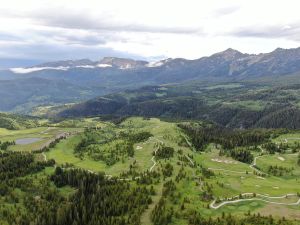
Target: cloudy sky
<point>39,30</point>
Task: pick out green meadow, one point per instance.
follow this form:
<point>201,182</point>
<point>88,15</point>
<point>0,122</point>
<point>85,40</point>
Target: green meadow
<point>229,177</point>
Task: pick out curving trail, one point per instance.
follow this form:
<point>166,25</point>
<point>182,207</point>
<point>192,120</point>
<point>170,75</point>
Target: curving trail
<point>129,179</point>
<point>213,206</point>
<point>44,155</point>
<point>154,162</point>
<point>191,161</point>
<point>189,143</point>
<point>253,165</point>
<point>153,157</point>
<point>45,131</point>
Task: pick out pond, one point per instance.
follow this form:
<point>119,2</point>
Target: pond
<point>26,141</point>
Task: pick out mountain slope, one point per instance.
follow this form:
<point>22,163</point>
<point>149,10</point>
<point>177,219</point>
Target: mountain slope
<point>229,63</point>
<point>111,75</point>
<point>23,94</point>
<point>240,105</point>
<point>15,122</point>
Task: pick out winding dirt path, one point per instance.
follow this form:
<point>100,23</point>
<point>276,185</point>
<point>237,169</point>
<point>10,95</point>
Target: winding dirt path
<point>45,131</point>
<point>253,165</point>
<point>191,161</point>
<point>153,157</point>
<point>44,155</point>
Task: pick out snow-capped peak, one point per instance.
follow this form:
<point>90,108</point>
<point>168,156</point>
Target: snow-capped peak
<point>126,66</point>
<point>158,63</point>
<point>122,63</point>
<point>155,64</point>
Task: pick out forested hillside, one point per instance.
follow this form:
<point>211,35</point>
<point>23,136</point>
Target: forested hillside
<point>239,104</point>
<point>15,122</point>
<point>139,171</point>
<point>21,95</point>
<point>72,81</point>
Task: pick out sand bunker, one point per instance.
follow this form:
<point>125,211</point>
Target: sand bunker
<point>281,158</point>
<point>224,161</point>
<point>139,147</point>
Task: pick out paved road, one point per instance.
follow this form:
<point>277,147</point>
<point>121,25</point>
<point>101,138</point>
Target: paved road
<point>213,206</point>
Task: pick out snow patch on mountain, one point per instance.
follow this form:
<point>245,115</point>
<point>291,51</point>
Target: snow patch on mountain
<point>102,65</point>
<point>34,69</point>
<point>126,66</point>
<point>86,66</point>
<point>155,64</point>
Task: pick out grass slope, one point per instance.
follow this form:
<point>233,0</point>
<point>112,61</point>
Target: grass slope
<point>230,178</point>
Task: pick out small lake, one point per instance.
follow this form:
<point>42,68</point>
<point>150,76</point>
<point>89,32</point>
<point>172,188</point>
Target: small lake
<point>26,141</point>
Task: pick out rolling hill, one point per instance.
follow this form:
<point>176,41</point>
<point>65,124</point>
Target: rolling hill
<point>239,104</point>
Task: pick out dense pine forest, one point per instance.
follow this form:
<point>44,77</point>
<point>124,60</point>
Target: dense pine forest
<point>97,199</point>
<point>16,122</point>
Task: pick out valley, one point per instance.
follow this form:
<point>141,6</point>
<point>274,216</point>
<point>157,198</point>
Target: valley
<point>189,181</point>
<point>149,112</point>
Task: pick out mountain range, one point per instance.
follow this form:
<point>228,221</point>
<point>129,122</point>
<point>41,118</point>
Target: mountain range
<point>72,81</point>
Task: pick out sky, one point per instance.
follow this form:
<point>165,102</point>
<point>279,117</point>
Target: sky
<point>33,31</point>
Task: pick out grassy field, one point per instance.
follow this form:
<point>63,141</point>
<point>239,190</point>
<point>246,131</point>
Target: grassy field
<point>283,160</point>
<point>252,105</point>
<point>161,131</point>
<point>64,153</point>
<point>291,138</point>
<point>80,123</point>
<point>224,86</point>
<point>45,134</point>
<point>230,178</point>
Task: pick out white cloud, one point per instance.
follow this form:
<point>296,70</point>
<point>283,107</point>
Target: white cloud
<point>34,69</point>
<point>169,28</point>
